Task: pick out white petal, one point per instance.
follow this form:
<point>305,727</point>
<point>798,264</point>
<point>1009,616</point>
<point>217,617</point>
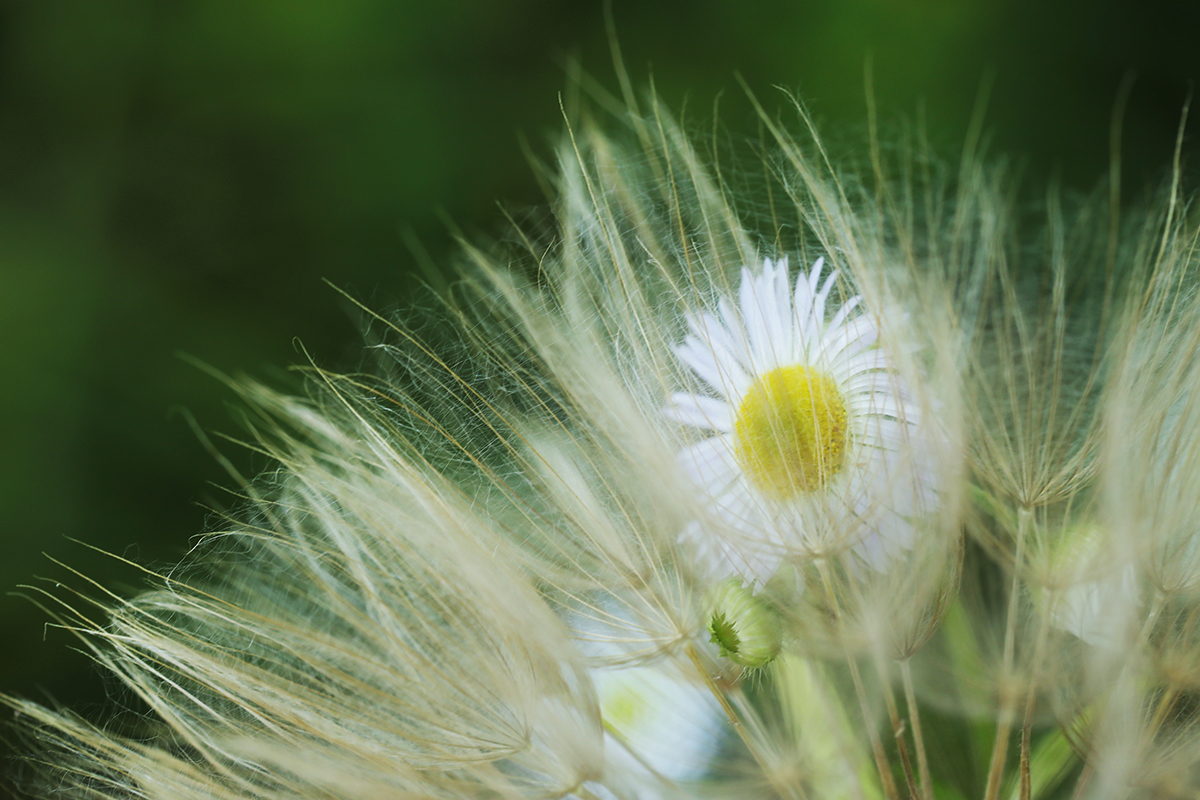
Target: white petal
<point>755,565</point>
<point>709,329</point>
<point>756,300</point>
<point>802,297</point>
<point>864,362</point>
<point>739,342</point>
<point>888,404</point>
<point>721,374</point>
<point>818,312</point>
<point>706,413</point>
<point>879,435</point>
<point>808,324</point>
<point>842,313</point>
<point>710,464</point>
<point>806,288</point>
<point>740,510</point>
<point>731,555</point>
<point>848,339</point>
<point>782,329</point>
<point>872,552</point>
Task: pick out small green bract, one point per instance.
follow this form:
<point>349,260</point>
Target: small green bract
<point>743,625</point>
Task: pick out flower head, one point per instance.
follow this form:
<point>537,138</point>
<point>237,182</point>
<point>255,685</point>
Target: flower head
<point>809,447</point>
<point>743,626</point>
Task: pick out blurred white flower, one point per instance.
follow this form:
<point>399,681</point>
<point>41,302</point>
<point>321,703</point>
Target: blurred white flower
<point>1098,609</point>
<point>810,447</point>
<point>664,724</point>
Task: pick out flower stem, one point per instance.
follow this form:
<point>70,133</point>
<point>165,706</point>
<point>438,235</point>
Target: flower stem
<point>1085,779</point>
<point>881,763</point>
<point>898,727</point>
<point>1007,696</point>
<point>735,721</point>
<point>1030,702</point>
<point>914,718</point>
<point>1165,703</point>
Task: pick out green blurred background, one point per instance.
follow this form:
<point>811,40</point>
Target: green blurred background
<point>180,175</point>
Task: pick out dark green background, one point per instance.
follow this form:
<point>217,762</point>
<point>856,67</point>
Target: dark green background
<point>179,176</point>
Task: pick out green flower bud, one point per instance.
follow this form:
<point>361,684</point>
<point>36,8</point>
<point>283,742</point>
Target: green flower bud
<point>743,625</point>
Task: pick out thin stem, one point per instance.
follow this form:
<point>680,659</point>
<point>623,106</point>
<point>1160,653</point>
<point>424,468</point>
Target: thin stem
<point>786,781</point>
<point>833,720</point>
<point>1026,734</point>
<point>1171,692</point>
<point>735,722</point>
<point>914,719</point>
<point>1030,702</point>
<point>898,727</point>
<point>1007,697</point>
<point>1165,703</point>
<point>1000,745</point>
<point>881,763</point>
<point>716,691</point>
<point>1085,779</point>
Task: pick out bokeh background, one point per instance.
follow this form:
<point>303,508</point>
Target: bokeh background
<point>179,176</point>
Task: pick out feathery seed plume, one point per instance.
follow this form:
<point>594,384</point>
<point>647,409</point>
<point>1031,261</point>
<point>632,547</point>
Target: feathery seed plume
<point>682,513</point>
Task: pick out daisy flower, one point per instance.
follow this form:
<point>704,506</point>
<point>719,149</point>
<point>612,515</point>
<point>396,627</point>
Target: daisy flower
<point>810,432</point>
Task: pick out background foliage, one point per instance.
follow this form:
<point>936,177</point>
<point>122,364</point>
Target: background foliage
<point>178,176</point>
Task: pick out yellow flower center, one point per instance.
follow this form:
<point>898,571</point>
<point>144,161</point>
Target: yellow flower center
<point>790,433</point>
